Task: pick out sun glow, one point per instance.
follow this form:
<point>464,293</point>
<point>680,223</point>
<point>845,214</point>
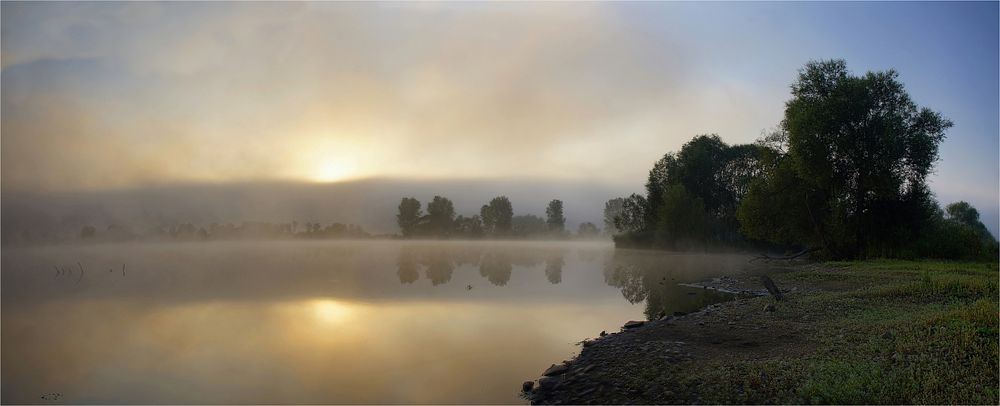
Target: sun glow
<point>334,171</point>
<point>331,311</point>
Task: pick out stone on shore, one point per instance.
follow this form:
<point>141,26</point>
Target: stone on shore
<point>555,370</point>
<point>634,324</point>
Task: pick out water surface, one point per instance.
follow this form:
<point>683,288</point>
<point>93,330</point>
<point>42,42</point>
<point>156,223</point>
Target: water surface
<point>320,322</point>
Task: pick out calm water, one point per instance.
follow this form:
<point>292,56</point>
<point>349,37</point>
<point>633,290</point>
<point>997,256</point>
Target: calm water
<point>320,322</point>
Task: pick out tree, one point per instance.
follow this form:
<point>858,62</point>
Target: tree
<point>588,230</point>
<point>554,216</point>
<point>497,215</point>
<point>963,213</point>
<point>440,217</point>
<point>408,217</point>
<point>612,209</point>
<point>528,225</point>
<point>682,218</point>
<point>633,216</point>
<point>469,227</point>
<point>862,148</point>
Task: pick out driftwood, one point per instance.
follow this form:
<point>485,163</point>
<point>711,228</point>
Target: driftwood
<point>784,258</point>
<point>771,287</point>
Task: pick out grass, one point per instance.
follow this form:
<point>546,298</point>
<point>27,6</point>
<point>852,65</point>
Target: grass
<point>890,332</point>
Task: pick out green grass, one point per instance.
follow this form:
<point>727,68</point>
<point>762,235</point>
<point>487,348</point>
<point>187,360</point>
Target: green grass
<point>902,332</point>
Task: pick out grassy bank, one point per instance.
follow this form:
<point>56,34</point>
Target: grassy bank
<point>856,332</point>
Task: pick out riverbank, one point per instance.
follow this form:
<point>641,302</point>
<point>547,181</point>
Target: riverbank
<point>860,332</point>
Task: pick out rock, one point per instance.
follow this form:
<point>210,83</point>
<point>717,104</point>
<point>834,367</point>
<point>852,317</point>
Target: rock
<point>555,370</point>
<point>549,382</point>
<point>587,368</point>
<point>588,343</point>
<point>527,386</point>
<point>634,324</point>
<point>770,308</point>
<point>679,314</point>
<point>603,333</point>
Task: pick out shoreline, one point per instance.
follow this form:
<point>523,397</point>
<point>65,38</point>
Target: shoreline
<point>756,349</point>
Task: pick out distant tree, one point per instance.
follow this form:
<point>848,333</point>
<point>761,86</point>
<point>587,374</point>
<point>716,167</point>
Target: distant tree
<point>497,215</point>
<point>554,216</point>
<point>963,212</point>
<point>409,216</point>
<point>488,218</point>
<point>440,216</point>
<point>633,216</point>
<point>528,225</point>
<point>87,232</point>
<point>612,209</point>
<point>588,230</point>
<point>468,227</point>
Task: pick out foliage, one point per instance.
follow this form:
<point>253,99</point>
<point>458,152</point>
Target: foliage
<point>527,225</point>
<point>440,217</point>
<point>497,215</point>
<point>633,214</point>
<point>682,219</point>
<point>554,216</point>
<point>409,216</point>
<point>612,209</point>
<point>863,150</point>
<point>588,230</point>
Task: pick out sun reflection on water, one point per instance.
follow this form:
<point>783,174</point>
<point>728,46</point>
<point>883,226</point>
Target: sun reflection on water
<point>331,311</point>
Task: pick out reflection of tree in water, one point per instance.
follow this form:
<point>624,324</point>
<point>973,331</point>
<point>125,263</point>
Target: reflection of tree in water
<point>553,268</point>
<point>495,263</point>
<point>496,267</point>
<point>406,267</point>
<point>439,267</point>
<point>654,279</point>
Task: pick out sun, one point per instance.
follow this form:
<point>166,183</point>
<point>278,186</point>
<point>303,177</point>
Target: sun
<point>334,171</point>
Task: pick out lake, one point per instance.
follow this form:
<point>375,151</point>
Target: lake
<point>321,321</point>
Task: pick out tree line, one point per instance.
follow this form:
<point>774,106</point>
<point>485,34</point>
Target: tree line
<point>844,174</point>
<point>496,219</point>
<point>224,231</point>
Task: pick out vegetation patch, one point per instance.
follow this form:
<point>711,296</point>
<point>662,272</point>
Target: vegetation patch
<point>890,332</point>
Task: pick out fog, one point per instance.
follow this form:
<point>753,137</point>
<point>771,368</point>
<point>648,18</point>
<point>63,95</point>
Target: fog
<point>370,203</point>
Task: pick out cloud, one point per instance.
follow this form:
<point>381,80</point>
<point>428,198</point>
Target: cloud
<point>136,93</point>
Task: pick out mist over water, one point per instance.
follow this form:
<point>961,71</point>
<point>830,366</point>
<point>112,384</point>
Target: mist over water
<point>321,322</point>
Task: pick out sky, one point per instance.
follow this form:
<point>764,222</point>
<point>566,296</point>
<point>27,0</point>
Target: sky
<point>111,96</point>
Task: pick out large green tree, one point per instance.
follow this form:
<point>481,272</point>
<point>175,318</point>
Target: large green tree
<point>859,152</point>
